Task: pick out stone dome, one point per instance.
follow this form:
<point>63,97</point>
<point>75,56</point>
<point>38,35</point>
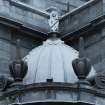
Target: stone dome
<point>53,59</point>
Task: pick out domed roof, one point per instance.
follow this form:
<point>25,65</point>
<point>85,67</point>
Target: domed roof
<point>53,60</point>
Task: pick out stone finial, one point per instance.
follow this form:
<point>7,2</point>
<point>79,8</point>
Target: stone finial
<point>18,53</point>
<point>68,6</point>
<point>81,65</point>
<point>18,68</point>
<point>81,47</point>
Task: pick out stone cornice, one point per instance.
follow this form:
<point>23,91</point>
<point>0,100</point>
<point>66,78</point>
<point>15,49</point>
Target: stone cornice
<point>74,11</point>
<point>52,102</point>
<point>97,23</point>
<point>29,8</point>
<point>26,28</point>
<point>54,86</point>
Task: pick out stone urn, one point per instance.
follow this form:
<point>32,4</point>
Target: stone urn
<point>82,67</point>
<point>18,70</point>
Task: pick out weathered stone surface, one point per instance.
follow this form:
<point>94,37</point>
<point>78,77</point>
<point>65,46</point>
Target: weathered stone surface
<point>67,95</point>
<point>94,48</point>
<point>87,97</point>
<point>23,13</point>
<point>100,101</point>
<point>81,17</point>
<point>8,47</point>
<point>62,5</point>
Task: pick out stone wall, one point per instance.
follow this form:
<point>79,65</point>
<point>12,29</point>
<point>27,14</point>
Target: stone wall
<point>94,39</point>
<point>94,47</point>
<point>8,38</point>
<point>81,16</point>
<point>94,43</point>
<point>5,35</point>
<point>104,5</point>
<point>61,4</point>
<point>24,14</point>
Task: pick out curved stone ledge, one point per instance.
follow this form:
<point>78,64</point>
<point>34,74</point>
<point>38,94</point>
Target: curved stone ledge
<point>55,103</point>
<point>54,86</point>
<point>54,92</point>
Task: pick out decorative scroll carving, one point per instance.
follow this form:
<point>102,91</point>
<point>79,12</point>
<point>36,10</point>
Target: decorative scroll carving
<point>100,80</point>
<point>5,82</point>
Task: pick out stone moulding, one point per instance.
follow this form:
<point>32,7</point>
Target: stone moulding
<point>25,14</point>
<point>97,23</point>
<point>54,86</point>
<point>29,8</point>
<point>72,20</point>
<point>87,4</point>
<point>21,26</point>
<point>55,103</point>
